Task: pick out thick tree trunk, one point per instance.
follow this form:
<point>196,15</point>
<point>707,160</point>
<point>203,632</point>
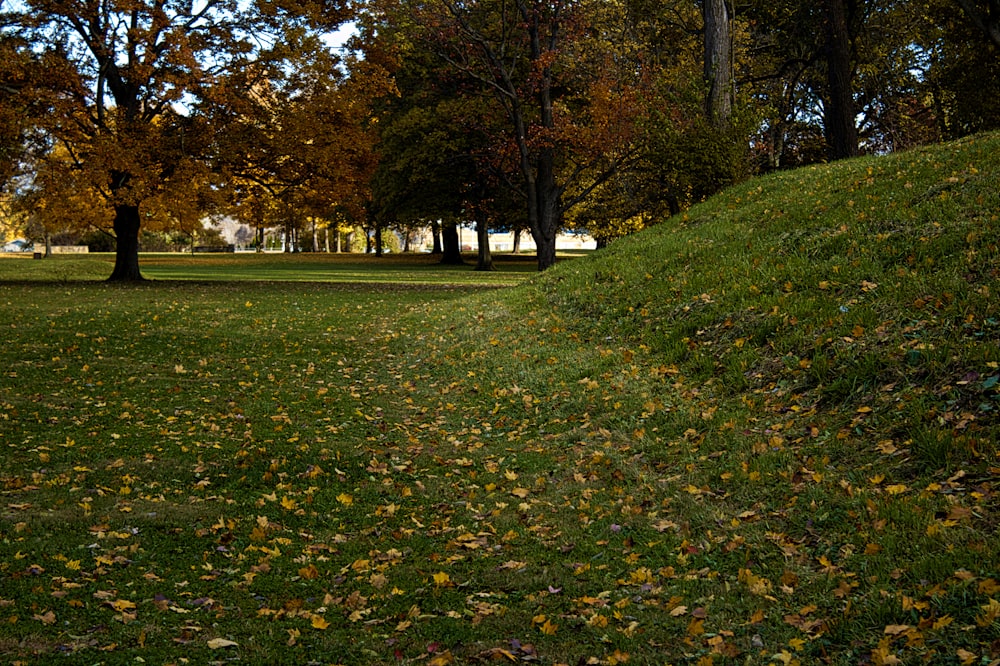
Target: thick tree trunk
<point>839,114</point>
<point>127,222</point>
<point>451,252</point>
<point>544,215</point>
<point>437,248</point>
<point>485,260</point>
<point>517,242</point>
<point>718,63</point>
<point>378,241</point>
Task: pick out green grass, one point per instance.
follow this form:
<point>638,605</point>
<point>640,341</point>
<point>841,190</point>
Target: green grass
<point>305,267</point>
<point>766,433</point>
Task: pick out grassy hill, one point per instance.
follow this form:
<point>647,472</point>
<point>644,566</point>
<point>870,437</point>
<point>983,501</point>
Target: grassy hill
<point>774,425</point>
<point>764,434</point>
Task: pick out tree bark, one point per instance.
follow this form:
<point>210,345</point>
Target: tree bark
<point>547,214</point>
<point>718,63</point>
<point>438,247</point>
<point>126,226</point>
<point>839,114</point>
<point>451,252</point>
<point>485,259</point>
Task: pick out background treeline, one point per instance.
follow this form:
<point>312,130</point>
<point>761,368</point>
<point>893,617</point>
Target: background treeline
<point>138,120</point>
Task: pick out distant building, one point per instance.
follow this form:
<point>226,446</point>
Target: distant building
<point>18,245</point>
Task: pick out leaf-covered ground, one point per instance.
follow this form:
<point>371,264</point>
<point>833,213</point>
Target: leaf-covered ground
<point>765,434</point>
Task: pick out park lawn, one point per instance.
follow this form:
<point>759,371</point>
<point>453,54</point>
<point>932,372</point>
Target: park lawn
<point>301,267</point>
<point>764,433</point>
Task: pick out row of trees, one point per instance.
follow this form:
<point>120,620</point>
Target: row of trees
<point>534,115</point>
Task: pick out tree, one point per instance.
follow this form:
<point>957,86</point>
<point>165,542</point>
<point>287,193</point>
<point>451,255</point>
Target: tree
<point>132,71</point>
<point>303,137</point>
<point>566,106</point>
<point>718,62</point>
<point>839,111</point>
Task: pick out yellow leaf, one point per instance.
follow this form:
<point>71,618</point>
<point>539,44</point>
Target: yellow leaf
<point>46,618</point>
<point>520,492</point>
<point>897,629</point>
<point>319,622</point>
<point>217,643</point>
<point>965,656</point>
<point>887,447</point>
<point>345,499</point>
<point>943,622</point>
<point>122,605</point>
<point>442,579</point>
<point>442,659</point>
<point>548,628</point>
<point>289,503</point>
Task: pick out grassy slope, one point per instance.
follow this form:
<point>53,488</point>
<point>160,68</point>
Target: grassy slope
<point>765,435</point>
<point>789,403</point>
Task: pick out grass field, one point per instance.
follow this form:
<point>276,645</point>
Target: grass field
<point>766,433</point>
<point>305,267</point>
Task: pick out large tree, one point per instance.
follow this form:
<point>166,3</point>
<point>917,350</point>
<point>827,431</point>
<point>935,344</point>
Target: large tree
<point>566,105</point>
<point>132,71</point>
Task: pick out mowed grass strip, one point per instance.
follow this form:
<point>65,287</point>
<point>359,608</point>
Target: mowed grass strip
<point>765,433</point>
<point>274,267</point>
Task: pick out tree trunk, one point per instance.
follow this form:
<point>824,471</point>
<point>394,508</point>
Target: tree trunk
<point>718,63</point>
<point>544,213</point>
<point>451,253</point>
<point>839,114</point>
<point>378,240</point>
<point>437,247</point>
<point>517,242</point>
<point>126,227</point>
<point>485,259</point>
